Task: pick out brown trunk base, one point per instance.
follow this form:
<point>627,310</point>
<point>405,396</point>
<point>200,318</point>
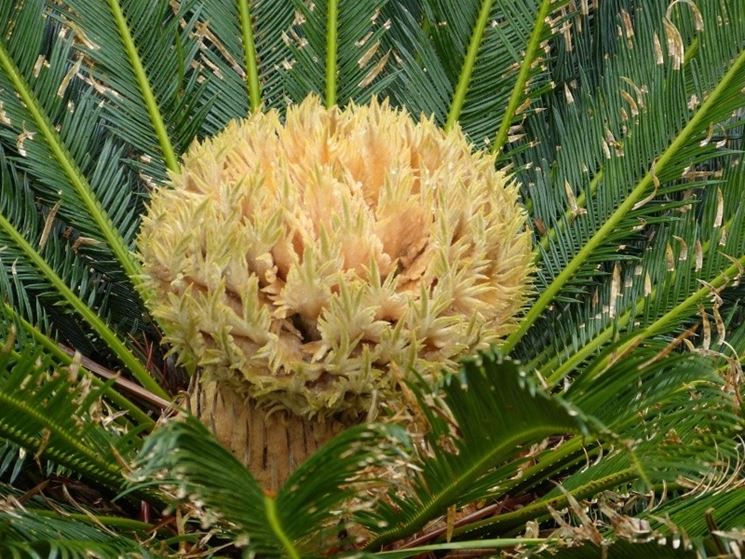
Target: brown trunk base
<point>272,445</point>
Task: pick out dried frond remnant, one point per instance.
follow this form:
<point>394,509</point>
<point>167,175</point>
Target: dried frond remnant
<point>313,264</point>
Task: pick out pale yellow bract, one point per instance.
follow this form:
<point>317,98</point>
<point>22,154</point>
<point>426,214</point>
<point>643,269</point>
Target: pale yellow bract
<point>316,263</point>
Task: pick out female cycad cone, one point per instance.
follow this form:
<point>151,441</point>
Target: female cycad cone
<point>313,264</point>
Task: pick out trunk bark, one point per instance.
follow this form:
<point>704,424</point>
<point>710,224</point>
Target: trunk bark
<point>271,445</point>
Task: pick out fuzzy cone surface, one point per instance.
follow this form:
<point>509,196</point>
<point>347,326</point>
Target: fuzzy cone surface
<point>314,263</point>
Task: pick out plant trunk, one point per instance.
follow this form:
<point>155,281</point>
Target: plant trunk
<point>271,445</point>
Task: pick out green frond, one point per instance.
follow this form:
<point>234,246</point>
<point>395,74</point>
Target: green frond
<point>476,62</point>
<point>517,98</point>
<point>12,460</point>
<point>25,535</point>
<point>666,287</point>
<point>464,80</point>
<point>29,163</point>
<point>144,53</point>
<point>472,546</point>
<point>9,318</point>
<point>49,411</point>
<point>539,509</point>
<point>661,420</point>
<point>677,409</point>
<point>624,550</point>
<point>228,29</point>
<point>689,525</point>
<point>627,125</point>
<point>156,119</point>
<point>519,415</point>
<point>51,271</point>
<point>30,114</point>
<point>348,39</point>
<point>720,508</point>
<point>184,454</point>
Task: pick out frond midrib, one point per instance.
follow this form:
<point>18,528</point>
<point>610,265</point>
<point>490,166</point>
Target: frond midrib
<point>518,90</point>
<point>332,46</point>
<point>272,518</point>
<point>250,57</point>
<point>540,508</point>
<point>461,89</point>
<point>148,97</point>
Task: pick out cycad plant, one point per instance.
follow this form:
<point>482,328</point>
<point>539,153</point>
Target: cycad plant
<point>601,419</point>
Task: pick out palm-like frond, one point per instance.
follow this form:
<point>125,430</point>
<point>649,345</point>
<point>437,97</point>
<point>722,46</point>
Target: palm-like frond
<point>156,104</point>
<point>691,525</point>
<point>29,338</point>
<point>627,550</point>
<point>646,429</point>
<point>48,273</point>
<point>55,413</point>
<point>24,535</point>
<point>583,186</point>
<point>683,268</point>
<point>184,454</point>
<point>488,546</point>
<point>519,415</point>
<point>27,56</point>
<point>718,510</point>
<point>233,34</point>
<point>62,179</point>
<point>477,63</point>
<point>345,37</point>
